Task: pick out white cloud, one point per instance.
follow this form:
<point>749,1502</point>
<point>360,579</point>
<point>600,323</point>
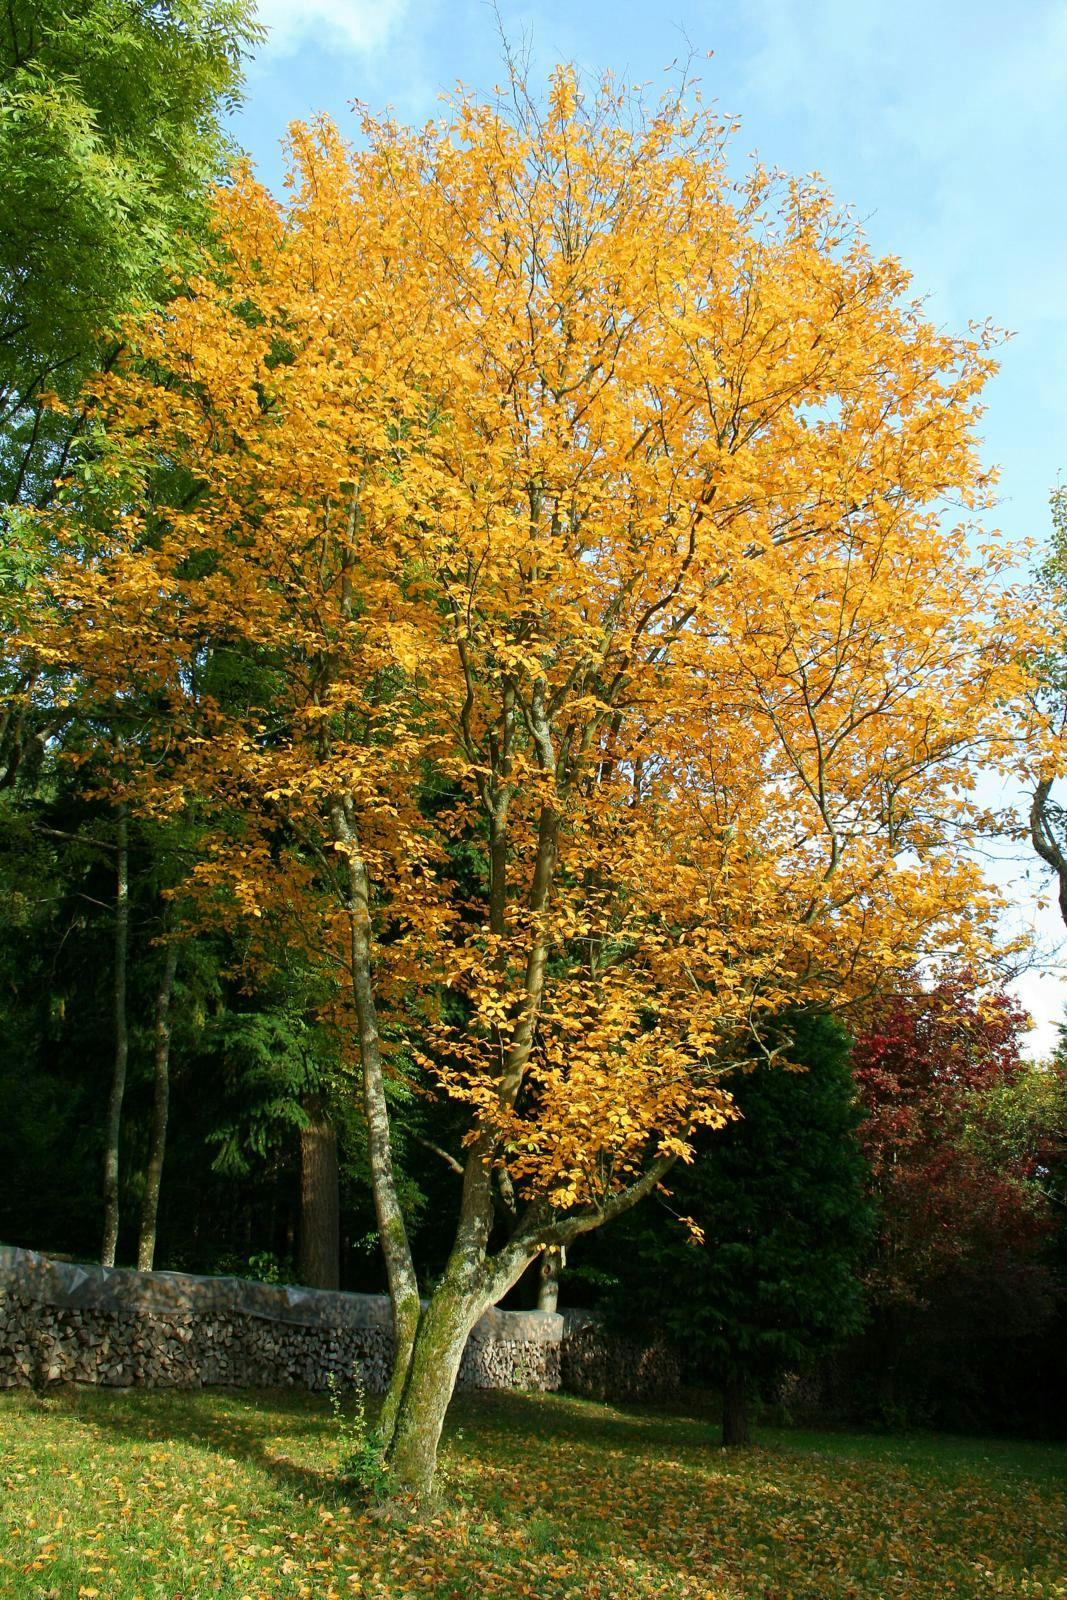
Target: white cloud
<point>358,27</point>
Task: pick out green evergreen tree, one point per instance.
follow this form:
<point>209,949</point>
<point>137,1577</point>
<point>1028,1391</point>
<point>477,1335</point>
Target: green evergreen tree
<point>753,1268</point>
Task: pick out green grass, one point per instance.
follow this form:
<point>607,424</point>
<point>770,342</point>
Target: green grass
<point>174,1496</point>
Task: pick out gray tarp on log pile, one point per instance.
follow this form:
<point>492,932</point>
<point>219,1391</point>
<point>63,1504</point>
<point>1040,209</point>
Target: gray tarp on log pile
<point>76,1286</point>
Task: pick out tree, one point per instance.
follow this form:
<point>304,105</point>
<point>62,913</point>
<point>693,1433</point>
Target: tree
<point>959,1274</point>
<point>1018,1123</point>
<point>47,1121</point>
<point>763,1237</point>
<point>109,139</point>
<point>320,1220</point>
<point>118,1075</point>
<point>1048,703</point>
<point>76,885</point>
<point>284,1070</point>
<point>579,510</point>
<point>1019,1126</point>
<point>146,1242</point>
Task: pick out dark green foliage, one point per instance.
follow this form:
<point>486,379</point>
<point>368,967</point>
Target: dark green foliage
<point>243,1061</point>
<point>779,1197</point>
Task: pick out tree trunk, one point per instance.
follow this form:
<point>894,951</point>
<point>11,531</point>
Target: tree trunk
<point>1043,837</point>
<point>548,1271</point>
<point>472,1283</point>
<point>392,1230</point>
<point>146,1243</point>
<point>442,1335</point>
<point>320,1211</point>
<point>118,1073</point>
<point>735,1413</point>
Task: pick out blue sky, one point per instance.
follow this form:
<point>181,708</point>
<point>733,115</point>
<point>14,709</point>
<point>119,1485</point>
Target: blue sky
<point>943,124</point>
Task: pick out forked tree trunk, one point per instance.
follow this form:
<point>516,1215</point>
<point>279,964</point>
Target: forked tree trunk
<point>548,1271</point>
<point>472,1283</point>
<point>146,1243</point>
<point>118,1071</point>
<point>735,1413</point>
<point>320,1211</point>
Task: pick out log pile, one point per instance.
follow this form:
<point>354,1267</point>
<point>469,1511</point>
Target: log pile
<point>513,1350</point>
<point>601,1366</point>
<point>63,1323</point>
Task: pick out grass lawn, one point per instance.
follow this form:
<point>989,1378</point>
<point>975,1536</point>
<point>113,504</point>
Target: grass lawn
<point>173,1496</point>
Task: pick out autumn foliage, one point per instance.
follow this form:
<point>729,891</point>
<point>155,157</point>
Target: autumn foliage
<point>925,1067</point>
<point>531,544</point>
<point>965,1309</point>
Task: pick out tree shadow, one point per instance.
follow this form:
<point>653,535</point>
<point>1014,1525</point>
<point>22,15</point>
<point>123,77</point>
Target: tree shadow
<point>246,1424</point>
<point>558,1417</point>
<point>253,1424</point>
<point>639,1494</point>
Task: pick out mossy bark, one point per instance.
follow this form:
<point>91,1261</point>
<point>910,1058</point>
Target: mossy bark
<point>473,1281</point>
<point>444,1328</point>
<point>406,1319</point>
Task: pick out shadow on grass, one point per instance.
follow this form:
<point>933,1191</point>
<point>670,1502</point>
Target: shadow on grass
<point>555,1418</point>
<point>251,1423</point>
<point>250,1426</point>
<point>271,1430</point>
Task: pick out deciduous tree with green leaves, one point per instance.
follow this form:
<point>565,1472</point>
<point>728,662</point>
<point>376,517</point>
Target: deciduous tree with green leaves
<point>110,137</point>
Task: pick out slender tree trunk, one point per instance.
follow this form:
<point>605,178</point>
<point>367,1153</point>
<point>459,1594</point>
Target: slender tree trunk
<point>320,1210</point>
<point>396,1248</point>
<point>118,1073</point>
<point>548,1270</point>
<point>146,1244</point>
<point>735,1413</point>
